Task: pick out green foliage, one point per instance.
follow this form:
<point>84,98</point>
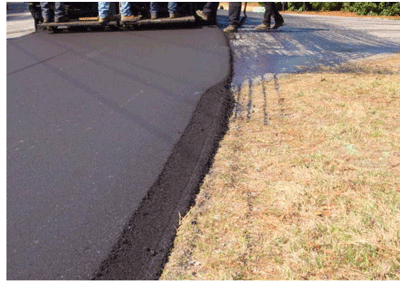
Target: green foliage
<point>326,6</point>
<point>361,8</point>
<point>295,6</point>
<point>389,9</point>
<point>373,8</point>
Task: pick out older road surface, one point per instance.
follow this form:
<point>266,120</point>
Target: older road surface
<point>306,42</point>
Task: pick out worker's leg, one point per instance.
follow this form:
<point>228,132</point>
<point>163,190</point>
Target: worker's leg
<point>154,9</point>
<point>46,11</point>
<point>234,13</point>
<point>104,9</point>
<point>126,9</point>
<point>172,8</point>
<point>59,12</point>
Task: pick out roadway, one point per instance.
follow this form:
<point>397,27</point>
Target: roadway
<point>305,43</point>
<point>109,133</point>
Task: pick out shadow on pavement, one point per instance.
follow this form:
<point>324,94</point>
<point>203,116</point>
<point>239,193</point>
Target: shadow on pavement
<point>95,121</point>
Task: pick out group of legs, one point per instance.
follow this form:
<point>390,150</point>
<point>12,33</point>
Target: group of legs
<point>104,11</point>
<point>208,13</point>
<point>126,14</point>
<point>234,15</point>
<point>172,9</point>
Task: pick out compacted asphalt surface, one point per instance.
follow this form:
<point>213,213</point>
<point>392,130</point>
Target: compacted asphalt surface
<point>95,120</point>
<point>109,133</point>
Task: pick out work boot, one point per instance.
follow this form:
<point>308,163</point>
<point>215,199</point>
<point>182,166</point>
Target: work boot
<point>231,28</point>
<point>278,24</point>
<point>61,19</point>
<point>263,27</point>
<point>153,16</point>
<point>173,16</point>
<point>202,15</point>
<point>104,20</point>
<point>130,18</point>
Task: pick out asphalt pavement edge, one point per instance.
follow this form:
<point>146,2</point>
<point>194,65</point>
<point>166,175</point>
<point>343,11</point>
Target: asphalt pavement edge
<point>146,241</point>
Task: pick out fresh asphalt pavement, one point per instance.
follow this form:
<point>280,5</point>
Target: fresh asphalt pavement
<point>93,119</point>
<point>96,121</point>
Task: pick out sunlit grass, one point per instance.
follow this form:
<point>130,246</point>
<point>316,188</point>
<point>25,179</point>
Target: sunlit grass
<point>314,194</point>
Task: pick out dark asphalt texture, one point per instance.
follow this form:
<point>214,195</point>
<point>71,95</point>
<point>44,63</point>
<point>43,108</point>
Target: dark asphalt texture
<point>108,136</point>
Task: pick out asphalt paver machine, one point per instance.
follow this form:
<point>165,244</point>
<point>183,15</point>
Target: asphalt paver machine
<point>84,15</point>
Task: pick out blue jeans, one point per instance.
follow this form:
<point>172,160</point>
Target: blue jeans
<point>46,10</point>
<point>104,9</point>
<point>155,7</point>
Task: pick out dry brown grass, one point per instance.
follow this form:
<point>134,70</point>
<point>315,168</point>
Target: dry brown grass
<point>305,184</point>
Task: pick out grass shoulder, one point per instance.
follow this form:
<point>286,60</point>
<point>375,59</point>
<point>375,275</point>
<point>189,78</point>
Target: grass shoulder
<point>304,184</point>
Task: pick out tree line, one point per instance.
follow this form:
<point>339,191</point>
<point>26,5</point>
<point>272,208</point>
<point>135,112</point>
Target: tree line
<point>361,8</point>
